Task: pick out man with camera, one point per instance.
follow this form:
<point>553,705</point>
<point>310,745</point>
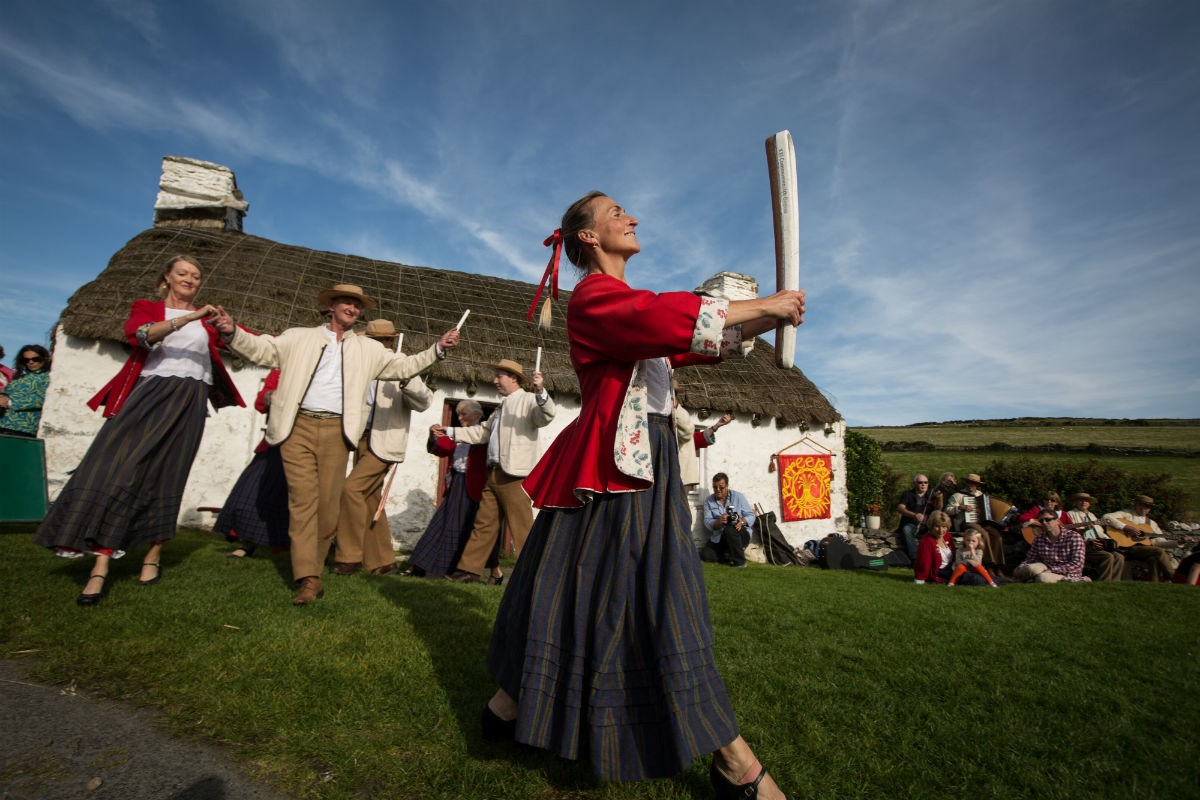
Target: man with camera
<point>729,521</point>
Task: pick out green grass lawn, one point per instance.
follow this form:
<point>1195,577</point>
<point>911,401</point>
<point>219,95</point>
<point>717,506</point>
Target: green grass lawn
<point>847,684</point>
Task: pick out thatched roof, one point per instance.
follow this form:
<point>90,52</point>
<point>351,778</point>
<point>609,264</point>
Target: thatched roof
<point>269,286</point>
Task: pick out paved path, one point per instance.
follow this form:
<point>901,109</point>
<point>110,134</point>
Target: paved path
<point>57,744</point>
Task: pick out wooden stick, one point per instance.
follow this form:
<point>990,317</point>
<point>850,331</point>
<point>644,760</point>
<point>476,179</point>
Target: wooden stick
<point>383,497</point>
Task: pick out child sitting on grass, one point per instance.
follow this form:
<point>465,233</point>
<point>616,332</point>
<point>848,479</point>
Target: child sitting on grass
<point>970,557</point>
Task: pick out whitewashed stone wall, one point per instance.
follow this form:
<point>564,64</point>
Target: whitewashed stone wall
<point>82,366</point>
<point>743,452</point>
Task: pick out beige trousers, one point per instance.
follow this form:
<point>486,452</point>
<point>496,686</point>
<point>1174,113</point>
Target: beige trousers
<point>314,461</point>
<point>358,539</point>
<point>1037,573</point>
<point>503,499</point>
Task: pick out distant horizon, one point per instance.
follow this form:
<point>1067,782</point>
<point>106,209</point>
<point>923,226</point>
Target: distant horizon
<point>1127,420</point>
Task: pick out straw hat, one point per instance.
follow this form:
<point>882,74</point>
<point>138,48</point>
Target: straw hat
<point>345,290</point>
<point>973,478</point>
<point>1082,496</point>
<point>1144,500</point>
<point>508,365</point>
<point>381,329</point>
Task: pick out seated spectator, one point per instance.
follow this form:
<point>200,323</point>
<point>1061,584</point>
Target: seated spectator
<point>968,562</point>
<point>1189,569</point>
<point>1144,541</point>
<point>913,506</point>
<point>1055,555</point>
<point>1101,562</point>
<point>935,551</point>
<point>729,520</point>
<point>1050,502</point>
<point>21,400</point>
<point>968,508</point>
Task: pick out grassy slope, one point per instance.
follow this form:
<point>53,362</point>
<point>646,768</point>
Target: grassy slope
<point>847,684</point>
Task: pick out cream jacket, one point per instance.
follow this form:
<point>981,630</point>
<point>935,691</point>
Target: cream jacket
<point>393,406</point>
<point>520,418</point>
<point>296,352</point>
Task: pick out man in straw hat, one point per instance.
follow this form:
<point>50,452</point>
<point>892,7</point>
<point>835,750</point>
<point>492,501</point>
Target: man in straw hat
<point>970,503</point>
<point>1148,542</point>
<point>511,433</point>
<point>364,542</point>
<point>309,419</point>
<point>1101,561</point>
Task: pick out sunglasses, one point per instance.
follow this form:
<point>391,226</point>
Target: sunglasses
<point>1048,519</point>
<point>32,360</point>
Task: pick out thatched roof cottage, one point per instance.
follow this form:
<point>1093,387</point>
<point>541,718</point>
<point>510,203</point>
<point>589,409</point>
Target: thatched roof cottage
<point>269,286</point>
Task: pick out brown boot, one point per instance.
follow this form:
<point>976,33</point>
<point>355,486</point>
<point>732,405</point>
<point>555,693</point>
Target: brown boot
<point>310,590</point>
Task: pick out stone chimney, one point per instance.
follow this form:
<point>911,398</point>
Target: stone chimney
<point>730,286</point>
<point>198,194</point>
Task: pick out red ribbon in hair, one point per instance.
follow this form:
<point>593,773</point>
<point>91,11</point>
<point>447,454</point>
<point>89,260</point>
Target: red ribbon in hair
<point>551,273</point>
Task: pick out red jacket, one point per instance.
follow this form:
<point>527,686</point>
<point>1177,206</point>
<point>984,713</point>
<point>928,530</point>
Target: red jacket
<point>611,327</point>
<point>476,474</point>
<point>262,403</point>
<point>222,392</point>
<point>929,559</point>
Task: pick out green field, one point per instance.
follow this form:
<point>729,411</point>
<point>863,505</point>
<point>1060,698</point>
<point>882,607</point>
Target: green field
<point>1175,438</point>
<point>962,447</point>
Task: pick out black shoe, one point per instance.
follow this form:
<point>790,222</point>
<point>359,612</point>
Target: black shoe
<point>496,729</point>
<point>242,551</point>
<point>157,574</point>
<point>91,599</point>
<point>462,576</point>
<point>495,580</point>
<point>728,790</point>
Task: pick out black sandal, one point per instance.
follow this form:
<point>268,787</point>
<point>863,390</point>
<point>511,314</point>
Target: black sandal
<point>728,790</point>
<point>496,729</point>
<point>91,599</point>
<point>157,574</point>
<point>241,551</point>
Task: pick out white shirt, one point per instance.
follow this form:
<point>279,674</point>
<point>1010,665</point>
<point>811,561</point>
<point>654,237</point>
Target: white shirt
<point>325,389</point>
<point>658,386</point>
<point>183,353</point>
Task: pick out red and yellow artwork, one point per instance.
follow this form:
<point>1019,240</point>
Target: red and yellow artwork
<point>804,486</point>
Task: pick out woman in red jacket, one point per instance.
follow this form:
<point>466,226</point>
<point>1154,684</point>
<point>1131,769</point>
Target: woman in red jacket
<point>128,488</point>
<point>935,551</point>
<point>603,646</point>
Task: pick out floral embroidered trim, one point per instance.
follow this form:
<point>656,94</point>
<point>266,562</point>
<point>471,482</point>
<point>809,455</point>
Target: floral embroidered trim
<point>732,345</point>
<point>142,332</point>
<point>710,320</point>
<point>631,449</point>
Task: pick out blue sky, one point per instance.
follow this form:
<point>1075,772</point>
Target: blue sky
<point>1000,201</point>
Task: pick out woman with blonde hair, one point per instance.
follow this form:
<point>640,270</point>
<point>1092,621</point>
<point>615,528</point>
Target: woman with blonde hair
<point>128,488</point>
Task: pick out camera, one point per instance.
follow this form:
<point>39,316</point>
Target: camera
<point>732,518</point>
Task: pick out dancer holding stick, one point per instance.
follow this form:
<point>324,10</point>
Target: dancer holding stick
<point>602,647</point>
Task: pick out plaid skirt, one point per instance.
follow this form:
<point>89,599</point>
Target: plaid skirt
<point>604,638</point>
<point>441,546</point>
<point>256,511</point>
<point>128,488</point>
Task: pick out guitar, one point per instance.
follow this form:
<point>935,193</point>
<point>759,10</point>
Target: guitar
<point>1125,540</point>
<point>1030,531</point>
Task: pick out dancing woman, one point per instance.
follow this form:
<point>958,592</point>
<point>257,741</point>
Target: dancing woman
<point>128,488</point>
<point>602,647</point>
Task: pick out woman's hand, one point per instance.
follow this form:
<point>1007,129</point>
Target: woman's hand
<point>222,321</point>
<point>449,339</point>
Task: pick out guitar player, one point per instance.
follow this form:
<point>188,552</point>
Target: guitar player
<point>1141,538</point>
